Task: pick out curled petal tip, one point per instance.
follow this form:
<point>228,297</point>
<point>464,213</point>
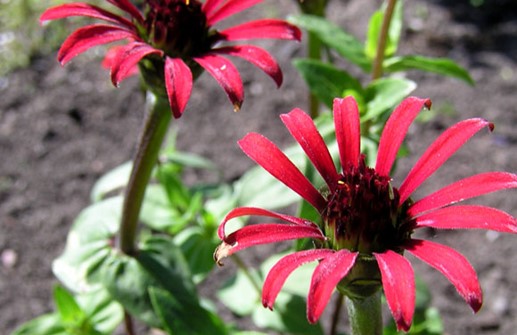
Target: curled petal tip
<point>237,106</point>
<point>475,302</point>
<point>428,103</point>
<point>402,325</point>
<point>491,126</point>
<point>222,251</point>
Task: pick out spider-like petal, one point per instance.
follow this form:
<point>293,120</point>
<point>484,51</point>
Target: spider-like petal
<point>83,9</point>
<point>263,233</point>
<point>439,151</point>
<point>178,82</point>
<point>266,154</point>
<point>469,217</point>
<point>348,130</point>
<point>129,8</point>
<point>283,268</point>
<point>230,8</point>
<point>463,189</point>
<point>304,131</point>
<point>226,74</point>
<point>326,276</point>
<point>454,266</point>
<point>246,211</point>
<point>398,281</point>
<point>395,131</point>
<point>127,57</point>
<point>88,37</point>
<point>265,28</point>
<point>256,56</point>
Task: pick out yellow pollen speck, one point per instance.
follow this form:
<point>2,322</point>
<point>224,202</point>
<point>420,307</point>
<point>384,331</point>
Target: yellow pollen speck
<point>340,182</point>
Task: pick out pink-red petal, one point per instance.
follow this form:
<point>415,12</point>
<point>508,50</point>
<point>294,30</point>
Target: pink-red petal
<point>178,82</point>
<point>127,58</point>
<point>209,6</point>
<point>465,189</point>
<point>246,211</point>
<point>439,151</point>
<point>256,56</point>
<point>266,154</point>
<point>348,130</point>
<point>229,8</point>
<point>304,131</point>
<point>226,74</point>
<point>266,28</point>
<point>83,9</point>
<point>454,266</point>
<point>326,276</point>
<point>129,8</point>
<point>395,130</point>
<point>398,281</point>
<point>469,217</point>
<point>283,268</point>
<point>263,233</point>
<point>88,37</point>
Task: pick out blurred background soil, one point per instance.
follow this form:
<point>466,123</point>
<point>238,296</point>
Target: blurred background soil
<point>62,128</point>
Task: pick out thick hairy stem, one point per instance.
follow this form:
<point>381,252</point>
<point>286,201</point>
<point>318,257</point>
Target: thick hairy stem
<point>365,314</point>
<point>383,39</point>
<point>155,129</point>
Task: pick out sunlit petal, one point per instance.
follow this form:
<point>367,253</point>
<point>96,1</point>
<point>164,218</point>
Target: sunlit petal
<point>348,131</point>
<point>266,28</point>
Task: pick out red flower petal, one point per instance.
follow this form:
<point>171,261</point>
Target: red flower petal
<point>303,129</point>
<point>469,217</point>
<point>465,189</point>
<point>178,82</point>
<point>83,9</point>
<point>127,58</point>
<point>87,37</point>
<point>324,280</point>
<point>209,6</point>
<point>231,7</point>
<point>129,8</point>
<point>266,154</point>
<point>245,211</point>
<point>283,268</point>
<point>263,233</point>
<point>453,266</point>
<point>112,54</point>
<point>395,131</point>
<point>398,281</point>
<point>348,130</point>
<point>439,151</point>
<point>256,56</point>
<point>226,75</point>
<point>266,28</point>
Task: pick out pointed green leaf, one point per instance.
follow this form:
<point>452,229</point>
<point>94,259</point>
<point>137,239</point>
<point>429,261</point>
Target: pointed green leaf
<point>443,66</point>
<point>384,94</point>
<point>335,38</point>
<point>326,81</point>
<point>47,324</point>
<point>67,307</point>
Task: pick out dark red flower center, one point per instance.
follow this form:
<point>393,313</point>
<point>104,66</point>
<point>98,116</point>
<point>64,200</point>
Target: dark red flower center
<point>178,27</point>
<point>363,213</point>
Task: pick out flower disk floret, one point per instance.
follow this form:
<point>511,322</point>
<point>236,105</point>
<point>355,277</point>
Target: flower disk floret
<point>367,223</point>
<point>172,41</point>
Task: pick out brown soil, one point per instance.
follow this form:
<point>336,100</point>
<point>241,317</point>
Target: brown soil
<point>60,129</point>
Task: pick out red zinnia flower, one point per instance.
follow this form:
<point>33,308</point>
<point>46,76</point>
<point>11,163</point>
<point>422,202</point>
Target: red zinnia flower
<point>367,223</point>
<point>173,41</point>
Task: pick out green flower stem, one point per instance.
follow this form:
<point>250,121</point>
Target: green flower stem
<point>240,264</point>
<point>155,129</point>
<point>383,38</point>
<point>365,314</point>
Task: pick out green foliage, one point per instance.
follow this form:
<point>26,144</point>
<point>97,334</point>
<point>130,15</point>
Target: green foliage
<point>374,29</point>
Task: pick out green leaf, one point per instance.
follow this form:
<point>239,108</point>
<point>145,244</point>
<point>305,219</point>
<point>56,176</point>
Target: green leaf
<point>88,245</point>
<point>239,295</point>
<point>47,324</point>
<point>289,316</point>
<point>198,246</point>
<point>326,81</point>
<point>443,66</point>
<point>374,30</point>
<point>180,318</point>
<point>185,159</point>
<point>114,180</point>
<point>382,95</point>
<point>335,38</point>
<point>67,307</point>
<point>102,311</point>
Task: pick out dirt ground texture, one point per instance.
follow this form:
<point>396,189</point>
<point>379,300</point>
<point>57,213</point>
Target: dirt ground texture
<point>62,128</point>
